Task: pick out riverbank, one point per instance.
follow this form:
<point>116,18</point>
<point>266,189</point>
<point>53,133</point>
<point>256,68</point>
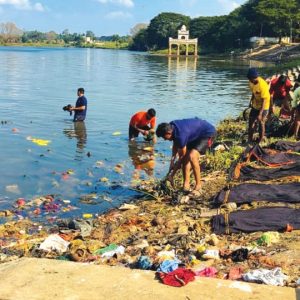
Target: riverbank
<point>164,225</point>
<point>98,45</point>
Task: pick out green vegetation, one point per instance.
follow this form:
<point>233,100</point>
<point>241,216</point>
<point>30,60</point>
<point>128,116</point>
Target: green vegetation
<point>270,18</point>
<point>11,35</point>
<point>216,34</point>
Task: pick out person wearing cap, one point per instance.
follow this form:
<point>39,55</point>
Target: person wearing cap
<point>142,122</point>
<point>279,90</point>
<point>259,103</point>
<point>80,107</point>
<point>190,137</point>
<point>296,111</point>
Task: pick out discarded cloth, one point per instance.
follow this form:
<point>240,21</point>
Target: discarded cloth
<point>261,219</point>
<point>54,243</point>
<point>144,263</point>
<point>235,273</point>
<point>177,278</point>
<point>84,226</point>
<point>168,266</point>
<point>110,247</point>
<point>166,255</point>
<point>268,238</point>
<point>118,250</point>
<point>269,277</point>
<point>238,255</point>
<point>211,254</point>
<point>207,272</point>
<point>249,192</point>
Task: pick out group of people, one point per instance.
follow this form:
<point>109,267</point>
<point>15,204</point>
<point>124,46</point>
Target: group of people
<point>280,92</point>
<point>192,137</point>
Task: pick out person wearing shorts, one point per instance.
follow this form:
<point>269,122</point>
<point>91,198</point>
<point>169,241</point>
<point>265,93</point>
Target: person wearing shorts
<point>260,104</point>
<point>191,138</point>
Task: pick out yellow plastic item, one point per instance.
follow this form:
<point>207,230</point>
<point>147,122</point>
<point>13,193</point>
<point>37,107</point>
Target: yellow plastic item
<point>201,249</point>
<point>104,179</point>
<point>117,133</point>
<point>40,142</point>
<point>87,216</point>
<point>148,149</point>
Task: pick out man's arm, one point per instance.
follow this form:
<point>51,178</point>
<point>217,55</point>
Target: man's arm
<point>260,115</point>
<point>78,108</point>
<point>173,158</point>
<point>142,131</point>
<point>251,99</point>
<point>176,166</point>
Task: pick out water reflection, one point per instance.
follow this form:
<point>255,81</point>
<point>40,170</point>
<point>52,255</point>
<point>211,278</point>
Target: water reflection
<point>79,132</point>
<point>186,63</point>
<point>259,64</point>
<point>142,157</point>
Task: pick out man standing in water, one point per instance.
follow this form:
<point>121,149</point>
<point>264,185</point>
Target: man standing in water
<point>191,137</point>
<point>142,122</point>
<point>80,107</point>
<point>260,104</point>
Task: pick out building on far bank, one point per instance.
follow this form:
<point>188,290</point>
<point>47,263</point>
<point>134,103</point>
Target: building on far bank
<point>88,40</point>
<point>183,39</point>
<point>262,41</point>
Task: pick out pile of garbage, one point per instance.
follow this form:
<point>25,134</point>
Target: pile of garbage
<point>170,232</point>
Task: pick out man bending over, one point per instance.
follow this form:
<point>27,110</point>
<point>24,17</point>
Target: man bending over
<point>191,137</point>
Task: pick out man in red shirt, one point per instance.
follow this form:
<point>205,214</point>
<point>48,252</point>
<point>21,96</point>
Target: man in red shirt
<point>279,90</point>
<point>139,123</point>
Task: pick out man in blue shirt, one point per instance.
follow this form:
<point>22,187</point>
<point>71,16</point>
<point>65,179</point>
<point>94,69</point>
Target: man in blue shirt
<point>80,107</point>
<point>191,137</point>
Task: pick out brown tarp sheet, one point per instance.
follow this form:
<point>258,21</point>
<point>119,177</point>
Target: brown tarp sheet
<point>261,219</point>
<point>249,192</point>
<point>286,146</point>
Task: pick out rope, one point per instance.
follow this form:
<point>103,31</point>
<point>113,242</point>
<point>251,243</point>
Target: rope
<point>226,219</point>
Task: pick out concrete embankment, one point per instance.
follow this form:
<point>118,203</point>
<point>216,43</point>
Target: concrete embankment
<point>43,279</point>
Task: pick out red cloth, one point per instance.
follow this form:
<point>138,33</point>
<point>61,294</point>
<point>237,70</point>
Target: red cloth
<point>178,278</point>
<point>235,273</point>
<point>207,272</point>
<point>284,113</point>
<point>279,91</point>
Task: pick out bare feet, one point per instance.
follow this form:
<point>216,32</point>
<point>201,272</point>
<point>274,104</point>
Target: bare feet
<point>186,188</point>
<point>197,191</point>
<point>171,180</point>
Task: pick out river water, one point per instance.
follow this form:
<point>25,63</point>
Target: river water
<point>37,82</point>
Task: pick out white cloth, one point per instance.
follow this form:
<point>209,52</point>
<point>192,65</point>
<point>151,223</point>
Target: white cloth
<point>269,277</point>
<point>54,243</point>
<point>109,254</point>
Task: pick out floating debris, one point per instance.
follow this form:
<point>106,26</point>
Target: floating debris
<point>117,133</point>
<point>39,142</point>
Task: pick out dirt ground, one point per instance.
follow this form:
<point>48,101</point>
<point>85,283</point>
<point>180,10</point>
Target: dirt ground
<point>43,279</point>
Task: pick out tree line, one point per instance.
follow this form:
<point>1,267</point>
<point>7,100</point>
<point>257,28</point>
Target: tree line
<point>10,33</point>
<point>261,18</point>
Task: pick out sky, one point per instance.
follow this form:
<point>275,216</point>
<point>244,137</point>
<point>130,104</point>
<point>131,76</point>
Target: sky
<point>103,17</point>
